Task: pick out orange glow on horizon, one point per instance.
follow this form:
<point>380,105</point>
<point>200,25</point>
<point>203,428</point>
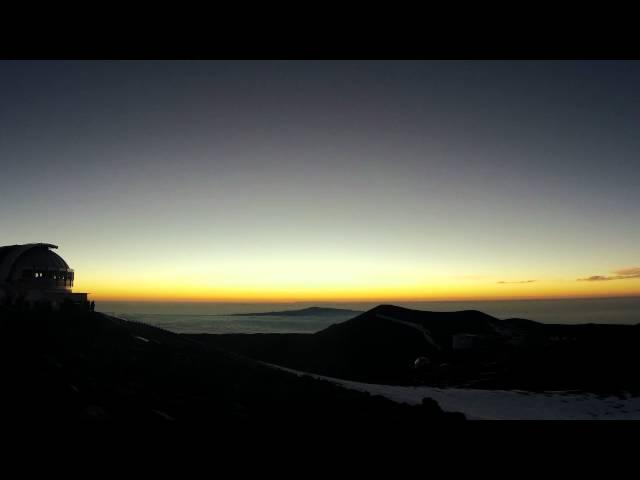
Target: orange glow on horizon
<point>291,279</point>
<point>380,294</point>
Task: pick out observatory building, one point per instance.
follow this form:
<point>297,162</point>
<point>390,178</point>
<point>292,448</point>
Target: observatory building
<point>34,274</point>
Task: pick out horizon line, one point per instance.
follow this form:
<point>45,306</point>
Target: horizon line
<point>366,300</point>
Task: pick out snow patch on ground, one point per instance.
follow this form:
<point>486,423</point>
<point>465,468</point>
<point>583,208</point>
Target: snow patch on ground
<point>503,404</point>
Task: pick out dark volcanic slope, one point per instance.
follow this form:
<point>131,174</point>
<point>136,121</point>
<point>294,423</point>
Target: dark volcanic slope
<point>382,344</point>
<point>369,347</point>
<point>74,365</point>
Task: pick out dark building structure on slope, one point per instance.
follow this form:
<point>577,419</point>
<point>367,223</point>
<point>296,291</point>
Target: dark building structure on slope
<point>34,274</point>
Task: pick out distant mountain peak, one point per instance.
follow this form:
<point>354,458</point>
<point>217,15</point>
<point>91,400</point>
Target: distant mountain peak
<point>303,312</point>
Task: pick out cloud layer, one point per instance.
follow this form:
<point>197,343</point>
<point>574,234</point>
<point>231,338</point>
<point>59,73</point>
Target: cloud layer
<point>633,271</point>
<point>519,281</point>
<point>623,274</point>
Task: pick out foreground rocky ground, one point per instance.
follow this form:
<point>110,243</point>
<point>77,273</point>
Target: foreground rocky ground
<point>88,366</point>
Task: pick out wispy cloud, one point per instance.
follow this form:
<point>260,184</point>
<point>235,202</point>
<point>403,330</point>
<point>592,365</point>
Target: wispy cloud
<point>519,281</point>
<point>633,271</point>
<point>623,274</point>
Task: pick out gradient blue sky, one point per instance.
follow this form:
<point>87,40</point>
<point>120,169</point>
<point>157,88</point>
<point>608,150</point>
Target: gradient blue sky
<point>303,180</point>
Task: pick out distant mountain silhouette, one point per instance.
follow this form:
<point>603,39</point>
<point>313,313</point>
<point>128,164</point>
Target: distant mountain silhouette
<point>466,348</point>
<point>305,312</point>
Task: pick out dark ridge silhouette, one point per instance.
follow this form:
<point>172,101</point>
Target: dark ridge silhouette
<point>304,312</point>
<point>467,348</point>
<point>368,347</point>
<point>73,364</point>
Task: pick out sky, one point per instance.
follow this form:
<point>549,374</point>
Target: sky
<point>319,180</point>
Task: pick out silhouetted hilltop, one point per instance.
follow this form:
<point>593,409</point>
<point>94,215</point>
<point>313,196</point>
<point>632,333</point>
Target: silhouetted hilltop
<point>304,312</point>
<point>379,345</point>
<point>440,325</point>
<point>80,365</point>
<point>465,348</point>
